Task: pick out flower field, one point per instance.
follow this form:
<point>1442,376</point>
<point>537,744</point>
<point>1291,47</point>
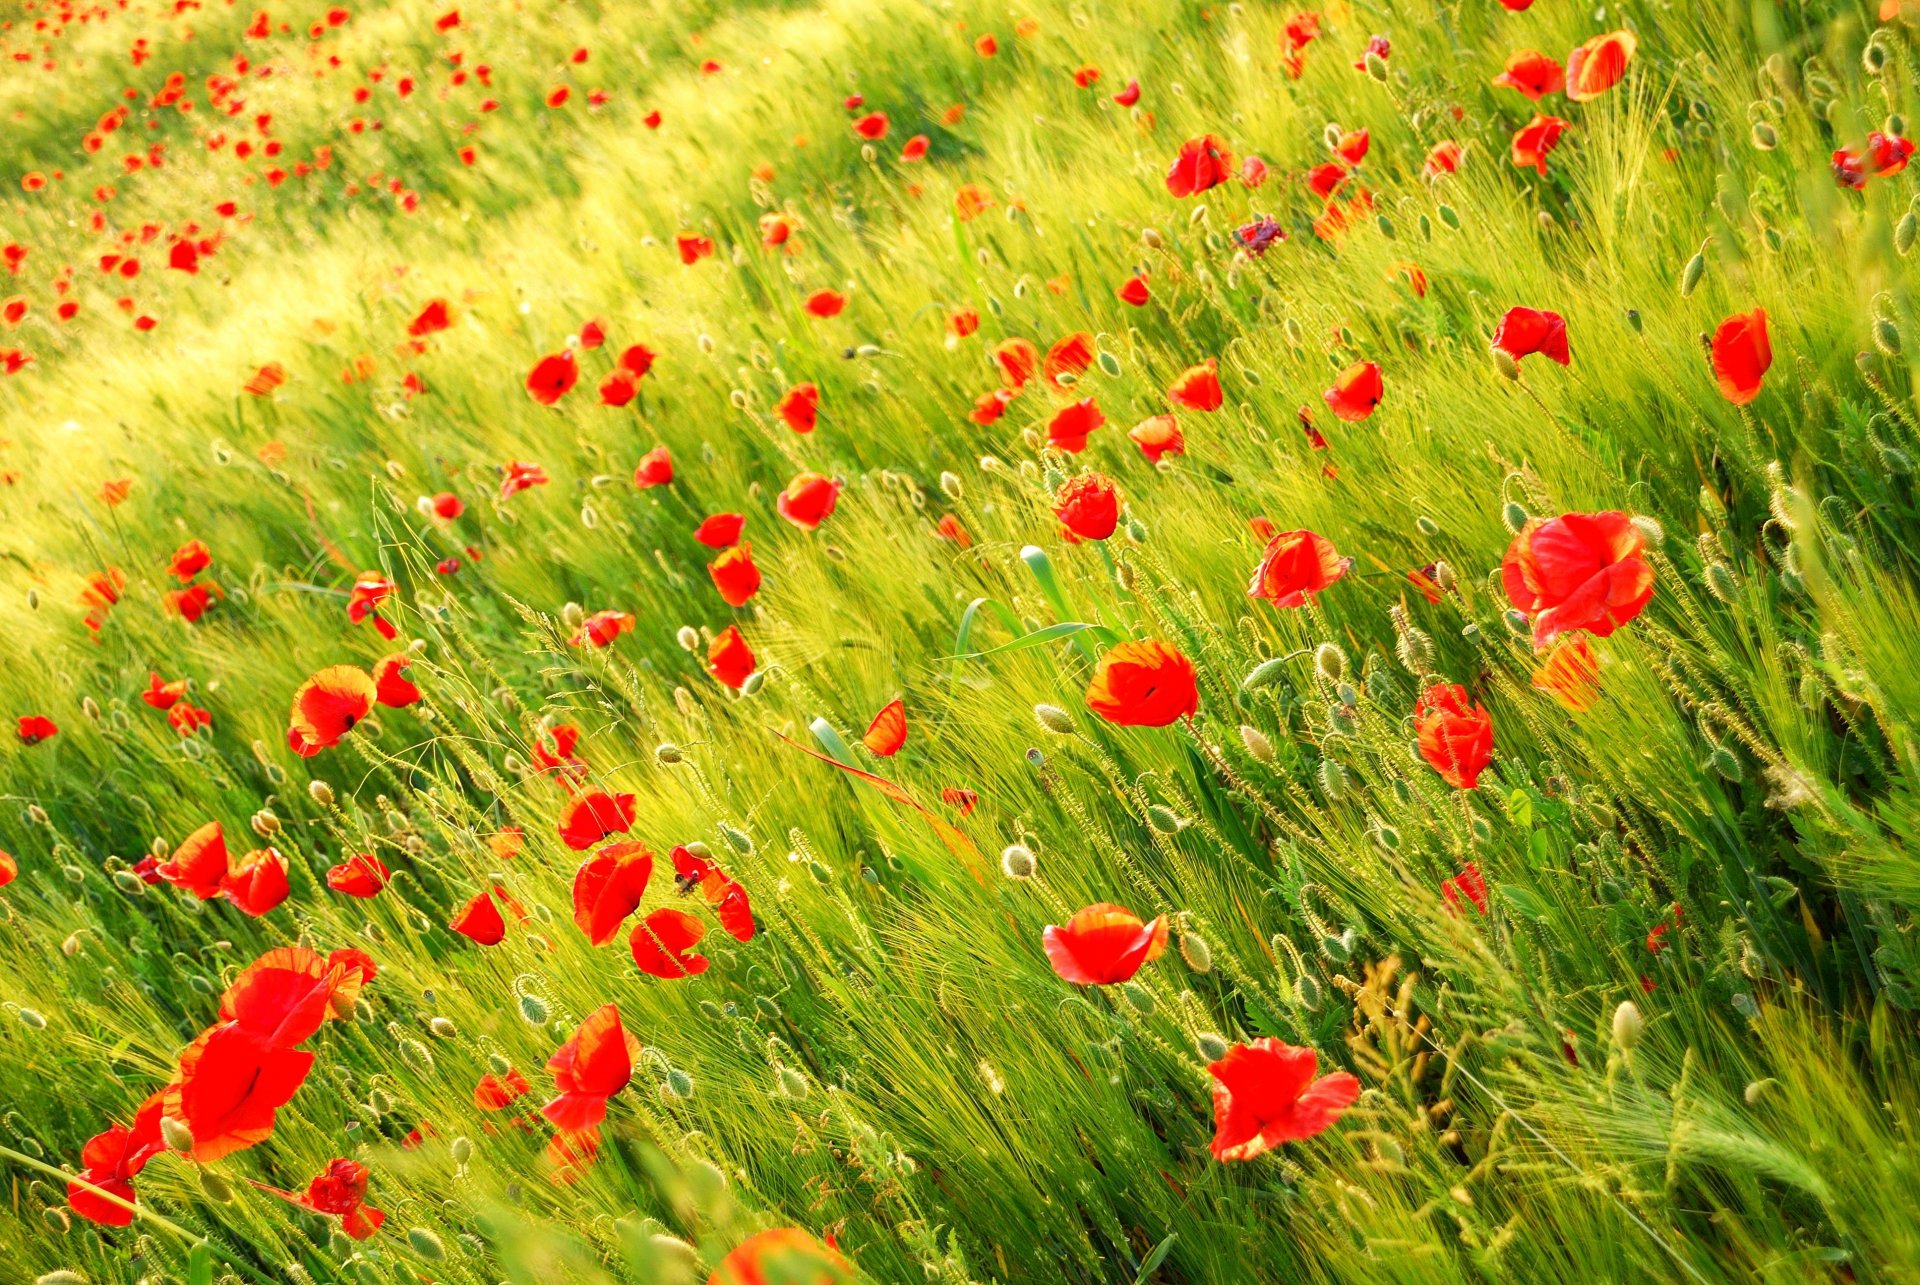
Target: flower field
<point>787,644</point>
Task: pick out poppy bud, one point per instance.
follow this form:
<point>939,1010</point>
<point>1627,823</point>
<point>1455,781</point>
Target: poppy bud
<point>1139,998</point>
<point>1443,576</point>
<point>379,1103</point>
<point>1307,992</point>
<point>443,1028</point>
<point>1874,57</point>
<point>1163,819</point>
<point>792,1083</point>
<point>1210,1046</point>
<point>1627,1025</point>
<point>1257,743</point>
<point>1720,582</point>
<point>950,485</point>
<point>1723,761</point>
<point>1504,362</point>
<point>31,1018</point>
<point>1263,674</point>
<point>739,840</point>
<point>1017,862</point>
<point>667,753</point>
<point>753,682</point>
<point>1886,337</point>
<point>1690,276</point>
<point>1376,66</point>
<point>426,1244</point>
<point>1758,1090</point>
<point>1333,778</point>
<point>1449,216</point>
<point>533,1010</point>
<point>1292,331</point>
<point>688,637</point>
<point>573,615</point>
<point>1385,225</point>
<point>176,1134</point>
<point>1764,136</point>
<point>1633,320</point>
<point>416,1055</point>
<point>1194,949</point>
<point>130,883</point>
<point>215,1187</point>
<point>1054,719</point>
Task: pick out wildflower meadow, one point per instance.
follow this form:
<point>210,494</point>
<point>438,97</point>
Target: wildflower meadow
<point>922,641</point>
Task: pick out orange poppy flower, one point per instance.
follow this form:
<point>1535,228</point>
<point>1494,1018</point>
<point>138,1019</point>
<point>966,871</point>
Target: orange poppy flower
<point>1265,1094</point>
<point>1296,566</point>
<point>729,659</point>
<point>1535,140</point>
<point>1104,945</point>
<point>1158,436</point>
<point>735,576</point>
<point>888,731</point>
<point>1456,736</point>
<point>784,1255</point>
<point>1530,72</point>
<point>327,706</point>
<point>1356,392</point>
<point>1197,387</point>
<point>1578,571</point>
<point>808,500</point>
<point>1597,66</point>
<point>1742,353</point>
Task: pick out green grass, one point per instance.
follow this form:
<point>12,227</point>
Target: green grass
<point>892,1059</point>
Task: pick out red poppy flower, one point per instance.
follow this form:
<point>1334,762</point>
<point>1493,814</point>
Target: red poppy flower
<point>1530,72</point>
<point>1104,945</point>
<point>915,149</point>
<point>1742,353</point>
<point>729,659</point>
<point>721,531</point>
<point>1598,65</point>
<point>1128,96</point>
<point>553,377</point>
<point>498,1092</point>
<point>608,887</point>
<point>1143,684</point>
<point>888,731</point>
<point>989,407</point>
<point>1535,140</point>
<point>553,752</point>
<point>1889,153</point>
<point>1525,331</point>
<point>1469,886</point>
<point>825,303</point>
<point>431,319</point>
<point>662,943</point>
<point>799,406</point>
<point>199,863</point>
<point>783,1256</point>
<point>590,1068</point>
<point>1265,1094</point>
<point>601,628</point>
<point>1068,429</point>
<point>1203,162</point>
<point>1456,736</point>
<point>1088,506</point>
<point>655,469</point>
<point>1158,436</point>
<point>1570,674</point>
<point>1578,571</point>
<point>1069,356</point>
<point>735,576</point>
<point>518,475</point>
<point>636,360</point>
<point>391,686</point>
<point>9,869</point>
<point>35,728</point>
<point>341,1190</point>
<point>593,815</point>
<point>1356,392</point>
<point>962,322</point>
<point>692,246</point>
<point>361,875</point>
<point>285,995</point>
<point>1017,360</point>
<point>110,1161</point>
<point>257,882</point>
<point>808,500</point>
<point>1197,388</point>
<point>1133,291</point>
<point>970,201</point>
<point>724,893</point>
<point>871,126</point>
<point>618,389</point>
<point>1444,158</point>
<point>1296,566</point>
<point>327,706</point>
<point>189,560</point>
<point>480,920</point>
<point>229,1085</point>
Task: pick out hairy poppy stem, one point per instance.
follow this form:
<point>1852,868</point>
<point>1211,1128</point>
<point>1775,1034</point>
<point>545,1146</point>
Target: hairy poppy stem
<point>138,1210</point>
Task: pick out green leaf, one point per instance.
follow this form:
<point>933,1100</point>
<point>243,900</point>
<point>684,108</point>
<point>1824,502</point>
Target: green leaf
<point>1151,1263</point>
<point>1524,901</point>
<point>823,732</point>
<point>1038,638</point>
<point>200,1264</point>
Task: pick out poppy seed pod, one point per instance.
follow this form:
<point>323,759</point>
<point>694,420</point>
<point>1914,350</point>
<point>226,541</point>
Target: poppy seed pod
<point>1330,662</point>
<point>1054,719</point>
<point>426,1244</point>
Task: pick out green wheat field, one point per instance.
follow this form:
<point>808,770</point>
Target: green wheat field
<point>810,641</point>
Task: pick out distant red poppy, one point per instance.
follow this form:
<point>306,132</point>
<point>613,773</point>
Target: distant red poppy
<point>1535,140</point>
<point>1143,684</point>
<point>553,377</point>
<point>1578,571</point>
<point>608,887</point>
<point>1128,96</point>
<point>729,659</point>
<point>662,945</point>
<point>1068,429</point>
<point>1070,355</point>
<point>1265,1094</point>
<point>498,1092</point>
<point>721,531</point>
<point>361,875</point>
<point>1597,66</point>
<point>1133,291</point>
<point>799,406</point>
<point>1104,945</point>
<point>431,319</point>
<point>1203,163</point>
<point>808,500</point>
<point>35,728</point>
<point>340,1190</point>
<point>1088,506</point>
<point>592,815</point>
<point>1017,359</point>
<point>590,1068</point>
<point>1742,354</point>
<point>872,126</point>
<point>915,149</point>
<point>1158,436</point>
<point>1197,388</point>
<point>783,1256</point>
<point>655,469</point>
<point>1356,391</point>
<point>518,475</point>
<point>1469,886</point>
<point>1442,159</point>
<point>735,576</point>
<point>1455,735</point>
<point>1530,72</point>
<point>327,706</point>
<point>480,920</point>
<point>1889,153</point>
<point>189,560</point>
<point>602,628</point>
<point>826,303</point>
<point>692,247</point>
<point>1295,566</point>
<point>1525,331</point>
<point>888,731</point>
<point>391,686</point>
